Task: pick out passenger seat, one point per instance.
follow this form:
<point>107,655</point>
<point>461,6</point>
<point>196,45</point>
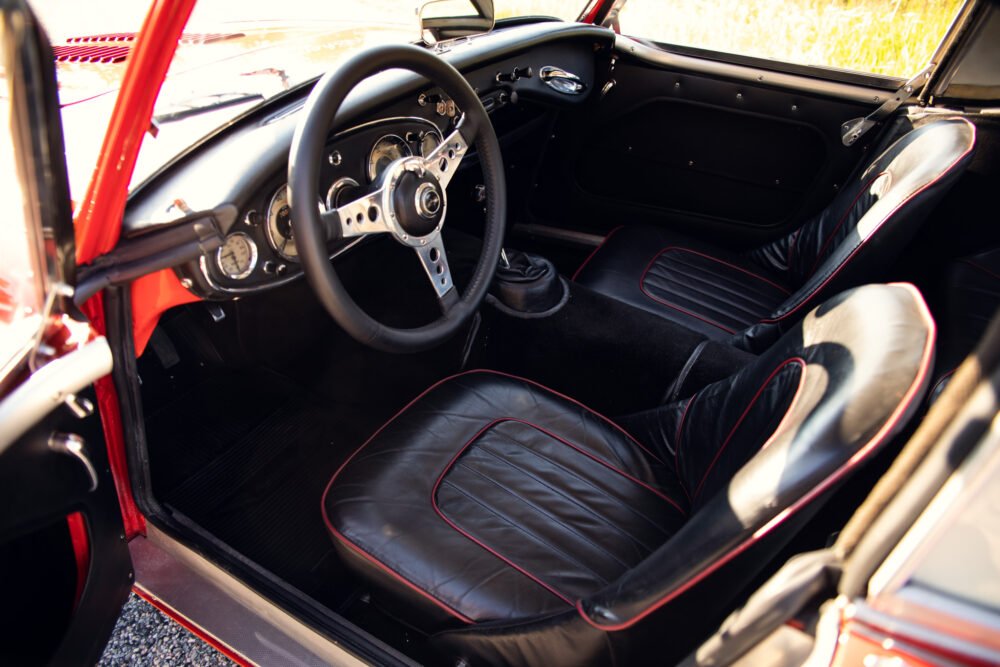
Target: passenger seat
<point>749,298</point>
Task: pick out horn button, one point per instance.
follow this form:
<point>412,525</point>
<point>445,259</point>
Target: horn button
<point>418,203</point>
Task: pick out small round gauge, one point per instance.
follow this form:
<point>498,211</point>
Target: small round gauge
<point>343,191</point>
<point>429,142</point>
<point>386,150</point>
<point>237,257</point>
<point>279,225</point>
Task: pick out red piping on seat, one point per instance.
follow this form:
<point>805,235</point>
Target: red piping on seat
<point>982,268</point>
<point>904,407</point>
<point>382,566</point>
<point>840,223</point>
<point>945,172</point>
<point>593,252</point>
<point>677,445</point>
<point>794,360</point>
<point>668,304</point>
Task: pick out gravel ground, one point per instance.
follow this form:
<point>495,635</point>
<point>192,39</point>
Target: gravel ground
<point>144,636</point>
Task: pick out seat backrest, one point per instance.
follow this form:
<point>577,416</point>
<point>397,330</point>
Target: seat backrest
<point>758,452</point>
<point>868,223</point>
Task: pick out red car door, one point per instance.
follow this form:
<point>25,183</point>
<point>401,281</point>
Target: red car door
<point>64,564</point>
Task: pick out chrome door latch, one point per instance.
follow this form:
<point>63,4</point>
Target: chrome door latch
<point>73,445</point>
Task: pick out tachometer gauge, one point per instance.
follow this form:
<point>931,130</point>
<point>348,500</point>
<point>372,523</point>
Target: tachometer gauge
<point>279,225</point>
<point>237,257</point>
<point>429,142</point>
<point>386,150</point>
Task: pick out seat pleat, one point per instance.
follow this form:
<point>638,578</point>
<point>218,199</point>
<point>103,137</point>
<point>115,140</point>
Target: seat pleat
<point>640,548</point>
<point>713,279</point>
<point>623,499</point>
<point>568,575</point>
<point>723,294</point>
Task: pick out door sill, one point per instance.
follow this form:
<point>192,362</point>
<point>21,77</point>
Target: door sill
<point>231,615</point>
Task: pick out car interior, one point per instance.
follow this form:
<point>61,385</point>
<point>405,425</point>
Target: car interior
<point>582,340</point>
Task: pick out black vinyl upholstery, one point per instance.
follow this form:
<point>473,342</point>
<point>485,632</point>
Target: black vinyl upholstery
<point>522,528</point>
<point>749,298</point>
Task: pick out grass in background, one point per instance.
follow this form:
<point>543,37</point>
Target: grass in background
<point>890,37</point>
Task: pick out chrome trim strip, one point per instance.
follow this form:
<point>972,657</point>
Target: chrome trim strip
<point>231,612</point>
<point>814,86</point>
<point>559,234</point>
<point>49,386</point>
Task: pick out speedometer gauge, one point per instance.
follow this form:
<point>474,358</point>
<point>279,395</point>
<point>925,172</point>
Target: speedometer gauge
<point>279,225</point>
<point>386,150</point>
<point>237,257</point>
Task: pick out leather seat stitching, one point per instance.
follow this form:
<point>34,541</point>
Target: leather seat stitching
<point>657,492</point>
<point>730,285</point>
<point>518,527</point>
<point>562,524</point>
<point>701,297</point>
<point>574,501</point>
<point>701,293</point>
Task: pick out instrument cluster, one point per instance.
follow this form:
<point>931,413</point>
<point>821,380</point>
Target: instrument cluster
<point>260,251</point>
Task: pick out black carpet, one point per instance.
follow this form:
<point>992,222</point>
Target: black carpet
<point>249,465</point>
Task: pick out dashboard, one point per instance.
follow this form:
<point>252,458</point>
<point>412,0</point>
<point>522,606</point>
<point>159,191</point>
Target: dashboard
<point>260,251</point>
<point>518,73</point>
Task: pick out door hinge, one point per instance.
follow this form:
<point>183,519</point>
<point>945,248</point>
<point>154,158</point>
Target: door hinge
<point>854,129</point>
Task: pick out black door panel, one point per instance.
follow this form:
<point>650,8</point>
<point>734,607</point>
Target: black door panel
<point>683,155</point>
<point>59,606</point>
<point>734,160</point>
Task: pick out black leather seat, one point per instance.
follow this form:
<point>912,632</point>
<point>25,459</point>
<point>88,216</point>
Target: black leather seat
<point>520,527</point>
<point>749,298</point>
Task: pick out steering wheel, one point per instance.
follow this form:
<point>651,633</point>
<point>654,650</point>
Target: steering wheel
<point>408,201</point>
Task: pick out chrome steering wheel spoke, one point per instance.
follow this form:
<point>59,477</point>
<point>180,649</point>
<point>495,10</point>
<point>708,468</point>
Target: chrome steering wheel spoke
<point>443,161</point>
<point>435,262</point>
<point>365,215</point>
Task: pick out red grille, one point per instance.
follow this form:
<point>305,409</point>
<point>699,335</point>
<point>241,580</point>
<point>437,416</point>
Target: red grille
<point>109,37</point>
<point>91,54</point>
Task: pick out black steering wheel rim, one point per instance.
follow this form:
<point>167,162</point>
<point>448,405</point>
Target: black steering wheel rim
<point>312,231</point>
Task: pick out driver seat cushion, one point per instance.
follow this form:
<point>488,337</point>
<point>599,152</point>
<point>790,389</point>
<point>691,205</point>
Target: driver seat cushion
<point>749,298</point>
<point>481,461</point>
<point>490,499</point>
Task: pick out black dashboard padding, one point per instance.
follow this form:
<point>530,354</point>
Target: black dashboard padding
<point>521,526</point>
<point>749,298</point>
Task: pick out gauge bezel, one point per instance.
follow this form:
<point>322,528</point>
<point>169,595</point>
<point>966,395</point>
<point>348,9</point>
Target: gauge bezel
<point>269,230</point>
<point>437,134</point>
<point>337,185</point>
<point>370,169</point>
<point>254,256</point>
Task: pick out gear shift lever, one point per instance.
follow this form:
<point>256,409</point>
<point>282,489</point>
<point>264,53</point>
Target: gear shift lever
<point>527,285</point>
